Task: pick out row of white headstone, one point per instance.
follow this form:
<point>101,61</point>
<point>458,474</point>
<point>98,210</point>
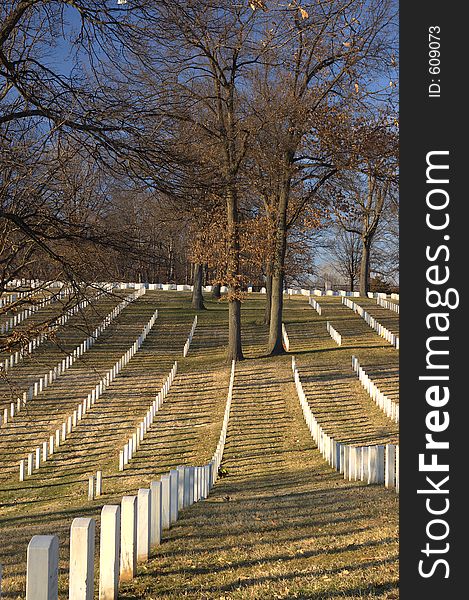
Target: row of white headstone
<point>43,382</point>
<point>30,283</point>
<point>286,341</point>
<point>130,532</point>
<point>335,335</point>
<point>35,306</point>
<point>388,304</point>
<point>315,304</point>
<point>13,297</point>
<point>390,337</point>
<point>189,339</point>
<point>207,288</point>
<point>48,447</point>
<point>132,445</point>
<point>388,406</point>
<point>218,454</point>
<point>7,299</point>
<point>17,356</point>
<point>370,464</point>
<point>335,293</point>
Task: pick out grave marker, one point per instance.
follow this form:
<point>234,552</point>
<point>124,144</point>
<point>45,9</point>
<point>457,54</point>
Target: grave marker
<point>156,516</point>
<point>81,582</point>
<point>143,524</point>
<point>109,553</point>
<point>128,561</point>
<point>42,569</point>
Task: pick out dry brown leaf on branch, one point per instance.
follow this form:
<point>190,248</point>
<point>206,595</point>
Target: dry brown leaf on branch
<point>304,13</point>
<point>255,4</point>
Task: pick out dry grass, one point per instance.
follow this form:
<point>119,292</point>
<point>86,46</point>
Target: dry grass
<point>281,524</point>
<point>334,392</point>
<point>385,316</point>
<point>51,351</point>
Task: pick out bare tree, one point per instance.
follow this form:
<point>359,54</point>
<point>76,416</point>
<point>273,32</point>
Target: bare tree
<point>345,248</point>
<point>368,191</point>
<point>208,50</point>
<point>321,55</point>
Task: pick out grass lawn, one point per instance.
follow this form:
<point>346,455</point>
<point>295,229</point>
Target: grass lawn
<point>281,523</point>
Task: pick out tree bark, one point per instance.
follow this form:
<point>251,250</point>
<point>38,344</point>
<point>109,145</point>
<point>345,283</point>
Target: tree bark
<point>268,296</point>
<point>216,291</point>
<point>235,351</point>
<point>365,267</point>
<point>275,346</point>
<point>197,296</point>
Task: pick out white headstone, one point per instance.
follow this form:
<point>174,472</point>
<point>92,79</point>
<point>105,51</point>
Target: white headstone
<point>109,553</point>
<point>375,464</point>
<point>81,581</point>
<point>99,483</point>
<point>390,473</point>
<point>166,501</point>
<point>42,569</point>
<point>30,463</point>
<point>181,470</point>
<point>156,517</point>
<point>143,524</point>
<point>191,484</point>
<point>397,469</point>
<point>128,561</point>
<point>174,479</point>
<point>91,487</point>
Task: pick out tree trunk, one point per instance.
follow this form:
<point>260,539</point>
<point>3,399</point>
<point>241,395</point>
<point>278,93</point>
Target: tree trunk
<point>268,296</point>
<point>197,296</point>
<point>365,268</point>
<point>352,283</point>
<point>235,351</point>
<point>275,332</point>
<point>216,291</point>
